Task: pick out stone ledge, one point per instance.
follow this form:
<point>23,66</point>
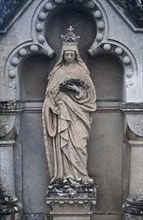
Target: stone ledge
<point>61,201</point>
<point>11,106</point>
<point>131,106</point>
<point>8,203</point>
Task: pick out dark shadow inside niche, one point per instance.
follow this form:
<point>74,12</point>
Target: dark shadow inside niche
<point>76,16</point>
<point>34,71</point>
<point>107,75</point>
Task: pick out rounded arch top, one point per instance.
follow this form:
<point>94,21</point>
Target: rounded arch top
<point>40,44</point>
<point>47,7</point>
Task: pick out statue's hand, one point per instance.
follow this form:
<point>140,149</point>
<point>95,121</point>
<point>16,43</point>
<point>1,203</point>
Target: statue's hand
<point>73,87</point>
<point>55,109</point>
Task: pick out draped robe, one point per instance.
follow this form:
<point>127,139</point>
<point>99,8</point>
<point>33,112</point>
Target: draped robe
<point>66,133</point>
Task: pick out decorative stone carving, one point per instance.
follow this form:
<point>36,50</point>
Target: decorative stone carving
<point>8,204</point>
<point>134,207</point>
<point>42,13</point>
<point>12,74</point>
<point>131,106</point>
<point>72,209</point>
<point>107,47</point>
<point>9,105</point>
<point>69,101</point>
<point>123,54</point>
<point>129,73</point>
<point>8,109</point>
<point>118,49</point>
<point>135,123</point>
<point>6,125</point>
<point>91,5</point>
<point>39,43</point>
<point>14,59</point>
<point>72,189</point>
<point>126,60</point>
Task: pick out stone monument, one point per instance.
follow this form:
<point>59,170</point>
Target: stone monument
<point>69,101</point>
<point>111,46</point>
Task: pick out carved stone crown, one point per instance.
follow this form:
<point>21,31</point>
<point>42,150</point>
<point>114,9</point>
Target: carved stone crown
<point>70,37</point>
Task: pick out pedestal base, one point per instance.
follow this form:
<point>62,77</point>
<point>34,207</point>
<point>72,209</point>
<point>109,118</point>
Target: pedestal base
<point>71,209</point>
<point>71,199</point>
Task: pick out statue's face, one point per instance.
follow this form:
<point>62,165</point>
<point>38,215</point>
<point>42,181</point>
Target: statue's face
<point>69,56</point>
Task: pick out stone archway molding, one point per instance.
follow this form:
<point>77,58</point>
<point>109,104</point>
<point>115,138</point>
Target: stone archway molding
<point>127,59</point>
<point>39,44</point>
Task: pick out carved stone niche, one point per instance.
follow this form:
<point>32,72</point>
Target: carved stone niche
<point>48,15</point>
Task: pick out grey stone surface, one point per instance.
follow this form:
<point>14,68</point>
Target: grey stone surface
<point>18,165</point>
<point>7,168</point>
<point>107,216</point>
<point>35,168</point>
<point>35,216</point>
<point>133,217</point>
<point>34,71</point>
<point>94,217</point>
<point>68,217</point>
<point>105,160</point>
<point>136,168</point>
<point>107,75</point>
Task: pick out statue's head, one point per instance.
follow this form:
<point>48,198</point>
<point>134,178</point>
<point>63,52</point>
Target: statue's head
<point>70,46</point>
<point>69,52</point>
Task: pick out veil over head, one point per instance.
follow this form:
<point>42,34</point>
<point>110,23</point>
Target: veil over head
<point>69,43</point>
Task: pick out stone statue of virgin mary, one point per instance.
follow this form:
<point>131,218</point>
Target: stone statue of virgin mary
<point>69,102</point>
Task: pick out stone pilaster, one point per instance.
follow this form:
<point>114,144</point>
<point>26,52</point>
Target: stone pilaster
<point>136,168</point>
<point>133,206</point>
<point>9,205</point>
